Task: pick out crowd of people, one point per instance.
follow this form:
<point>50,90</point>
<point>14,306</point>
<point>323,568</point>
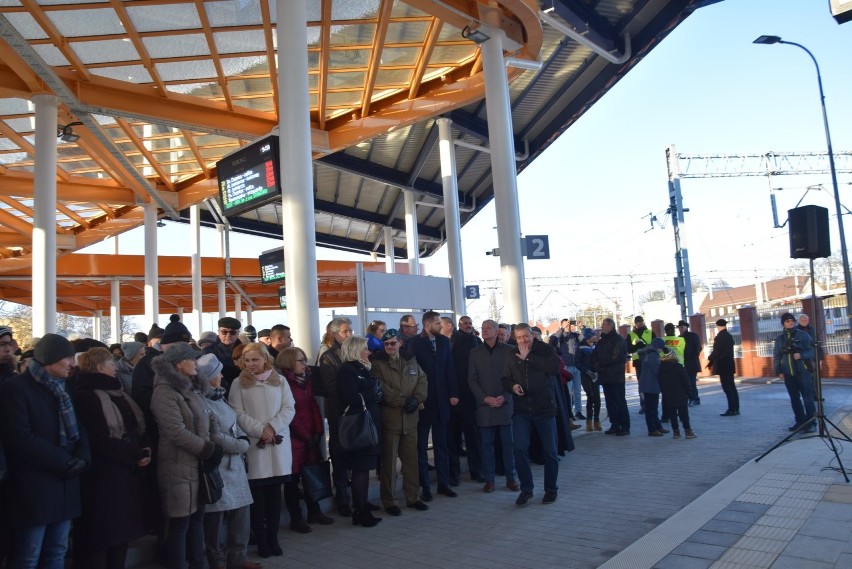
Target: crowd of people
<point>122,439</point>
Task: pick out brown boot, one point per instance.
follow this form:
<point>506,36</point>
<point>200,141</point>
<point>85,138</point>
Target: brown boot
<point>676,433</point>
<point>589,425</point>
<point>690,434</point>
<point>573,426</point>
<point>598,426</point>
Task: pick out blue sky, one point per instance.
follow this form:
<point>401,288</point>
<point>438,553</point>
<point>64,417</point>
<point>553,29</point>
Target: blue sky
<point>705,88</point>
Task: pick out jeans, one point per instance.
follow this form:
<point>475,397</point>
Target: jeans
<point>693,386</point>
<point>800,387</point>
<point>439,446</point>
<point>576,390</point>
<point>616,406</point>
<point>185,539</point>
<point>652,417</point>
<point>546,428</point>
<point>487,436</point>
<point>48,543</point>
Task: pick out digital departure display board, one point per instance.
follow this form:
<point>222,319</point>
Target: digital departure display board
<point>282,297</point>
<point>248,178</point>
<point>272,266</point>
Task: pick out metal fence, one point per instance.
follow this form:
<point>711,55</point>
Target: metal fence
<point>836,325</point>
<point>733,329</point>
<point>769,325</point>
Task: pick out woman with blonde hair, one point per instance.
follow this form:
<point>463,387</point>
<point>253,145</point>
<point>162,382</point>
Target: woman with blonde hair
<point>265,406</point>
<point>114,513</point>
<point>357,386</point>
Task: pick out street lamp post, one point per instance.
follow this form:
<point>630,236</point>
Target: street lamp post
<point>838,208</point>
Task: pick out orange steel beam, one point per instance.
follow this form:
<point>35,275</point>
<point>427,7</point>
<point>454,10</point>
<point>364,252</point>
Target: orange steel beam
<point>15,204</point>
<point>32,83</point>
<point>133,34</point>
<point>214,52</point>
<point>19,183</point>
<point>425,55</point>
<point>15,223</point>
<point>325,41</point>
<point>71,215</point>
<point>56,38</point>
<point>24,145</point>
<point>270,52</point>
<point>376,55</point>
<point>195,152</point>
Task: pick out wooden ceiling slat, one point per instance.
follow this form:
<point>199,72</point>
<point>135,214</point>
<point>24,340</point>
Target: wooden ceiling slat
<point>214,53</point>
<point>56,38</point>
<point>425,55</point>
<point>376,55</point>
<point>325,41</point>
<point>270,52</point>
<point>140,146</point>
<point>133,34</point>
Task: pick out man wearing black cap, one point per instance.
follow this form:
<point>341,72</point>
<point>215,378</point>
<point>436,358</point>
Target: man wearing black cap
<point>691,361</point>
<point>263,336</point>
<point>47,450</point>
<point>7,354</point>
<point>223,348</point>
<point>721,361</point>
<point>794,350</point>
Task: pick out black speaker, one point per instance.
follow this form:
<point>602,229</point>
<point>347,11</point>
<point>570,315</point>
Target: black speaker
<point>809,232</point>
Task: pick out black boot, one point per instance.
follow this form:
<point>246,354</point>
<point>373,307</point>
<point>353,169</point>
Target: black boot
<point>272,540</point>
<point>363,517</point>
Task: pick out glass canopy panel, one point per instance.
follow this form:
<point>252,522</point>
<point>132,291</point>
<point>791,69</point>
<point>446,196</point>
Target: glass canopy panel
<point>104,120</point>
<point>70,2</point>
<point>314,36</point>
<point>354,9</point>
<point>129,73</point>
<point>343,99</point>
<point>7,158</point>
<point>183,70</point>
<point>209,140</point>
<point>68,151</point>
<point>14,106</point>
<point>402,10</point>
<point>450,33</point>
<point>51,55</point>
<point>21,125</point>
<point>349,58</point>
<point>452,54</point>
<point>164,17</point>
<point>182,45</point>
<point>213,154</point>
<point>360,34</point>
<point>9,3</point>
<point>240,41</point>
<point>107,51</point>
<point>26,25</point>
<point>235,66</point>
<point>234,13</point>
<point>400,55</point>
<point>205,90</point>
<point>313,81</point>
<point>78,166</point>
<point>6,145</point>
<point>240,87</point>
<point>393,78</point>
<point>91,22</point>
<point>348,80</point>
<point>406,32</point>
<point>96,174</point>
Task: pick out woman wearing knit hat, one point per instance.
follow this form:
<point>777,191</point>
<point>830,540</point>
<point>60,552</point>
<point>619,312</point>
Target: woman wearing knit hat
<point>187,434</point>
<point>133,352</point>
<point>114,512</point>
<point>233,508</point>
<point>265,406</point>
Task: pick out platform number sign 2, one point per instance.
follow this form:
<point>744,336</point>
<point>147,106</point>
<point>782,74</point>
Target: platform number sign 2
<point>538,247</point>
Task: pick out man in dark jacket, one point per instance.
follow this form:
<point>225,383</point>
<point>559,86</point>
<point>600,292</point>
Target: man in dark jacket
<point>610,355</point>
<point>792,356</point>
<point>330,363</point>
<point>721,360</point>
<point>463,417</point>
<point>47,450</point>
<point>223,348</point>
<point>691,360</point>
<point>529,372</point>
<point>432,351</point>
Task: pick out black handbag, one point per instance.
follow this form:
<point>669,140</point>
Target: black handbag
<point>211,486</point>
<point>357,432</point>
<point>316,481</point>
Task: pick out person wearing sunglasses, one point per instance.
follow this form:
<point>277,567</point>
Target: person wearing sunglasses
<point>223,348</point>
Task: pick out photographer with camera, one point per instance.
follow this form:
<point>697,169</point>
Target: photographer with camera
<point>793,354</point>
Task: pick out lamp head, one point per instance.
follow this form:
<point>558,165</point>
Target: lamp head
<point>66,133</point>
<point>767,40</point>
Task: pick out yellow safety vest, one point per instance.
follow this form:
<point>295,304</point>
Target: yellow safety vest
<point>647,336</point>
<point>678,344</point>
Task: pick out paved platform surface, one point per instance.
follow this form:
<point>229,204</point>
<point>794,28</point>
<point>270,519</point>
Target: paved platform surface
<point>635,502</point>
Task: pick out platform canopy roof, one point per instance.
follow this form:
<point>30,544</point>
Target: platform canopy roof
<point>159,90</point>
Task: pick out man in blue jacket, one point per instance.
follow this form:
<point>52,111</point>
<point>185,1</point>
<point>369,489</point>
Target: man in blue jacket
<point>794,350</point>
<point>434,357</point>
<point>46,451</point>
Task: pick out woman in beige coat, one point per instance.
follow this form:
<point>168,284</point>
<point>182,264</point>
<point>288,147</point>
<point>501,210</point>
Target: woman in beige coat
<point>188,432</point>
<point>265,406</point>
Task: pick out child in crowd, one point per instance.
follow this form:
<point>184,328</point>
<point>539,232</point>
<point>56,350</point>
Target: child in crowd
<point>675,388</point>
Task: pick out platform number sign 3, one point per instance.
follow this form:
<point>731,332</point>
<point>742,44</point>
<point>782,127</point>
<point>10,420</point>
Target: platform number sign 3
<point>538,247</point>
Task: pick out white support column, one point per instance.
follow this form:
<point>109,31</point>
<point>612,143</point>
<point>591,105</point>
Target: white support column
<point>223,298</point>
<point>44,217</point>
<point>114,311</point>
<point>504,175</point>
<point>98,325</point>
<point>452,219</point>
<point>390,263</point>
<point>297,199</point>
<point>412,240</point>
<point>152,276</point>
<point>249,314</point>
<point>195,324</point>
<point>238,306</point>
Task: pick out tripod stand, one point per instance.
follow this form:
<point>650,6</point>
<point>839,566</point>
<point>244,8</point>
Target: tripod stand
<point>819,416</point>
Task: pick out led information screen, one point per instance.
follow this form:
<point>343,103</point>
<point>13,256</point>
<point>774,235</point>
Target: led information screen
<point>282,297</point>
<point>248,178</point>
<point>272,266</point>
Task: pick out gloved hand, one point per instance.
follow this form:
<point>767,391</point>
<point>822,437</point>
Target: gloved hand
<point>75,467</point>
<point>411,405</point>
<point>210,463</point>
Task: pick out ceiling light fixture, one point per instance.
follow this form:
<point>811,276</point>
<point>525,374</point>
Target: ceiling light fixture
<point>66,133</point>
<point>475,35</point>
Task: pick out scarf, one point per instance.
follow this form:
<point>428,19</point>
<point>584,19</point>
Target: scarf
<point>112,414</point>
<point>68,430</point>
<point>263,377</point>
<point>216,394</point>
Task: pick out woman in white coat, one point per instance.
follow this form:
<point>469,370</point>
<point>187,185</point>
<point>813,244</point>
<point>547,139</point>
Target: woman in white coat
<point>265,406</point>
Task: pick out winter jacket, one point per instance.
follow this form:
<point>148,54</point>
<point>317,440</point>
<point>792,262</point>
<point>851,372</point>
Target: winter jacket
<point>329,366</point>
<point>124,373</point>
<point>36,491</point>
<point>400,379</point>
<point>232,469</point>
<point>610,356</point>
<point>566,343</point>
<point>187,431</point>
<point>224,353</point>
<point>673,383</point>
<point>721,359</point>
<point>535,375</point>
<point>306,426</point>
<point>440,371</point>
<point>649,381</point>
<point>787,343</point>
<point>691,353</point>
<point>257,405</point>
<point>485,378</point>
<point>355,381</point>
<point>461,345</point>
